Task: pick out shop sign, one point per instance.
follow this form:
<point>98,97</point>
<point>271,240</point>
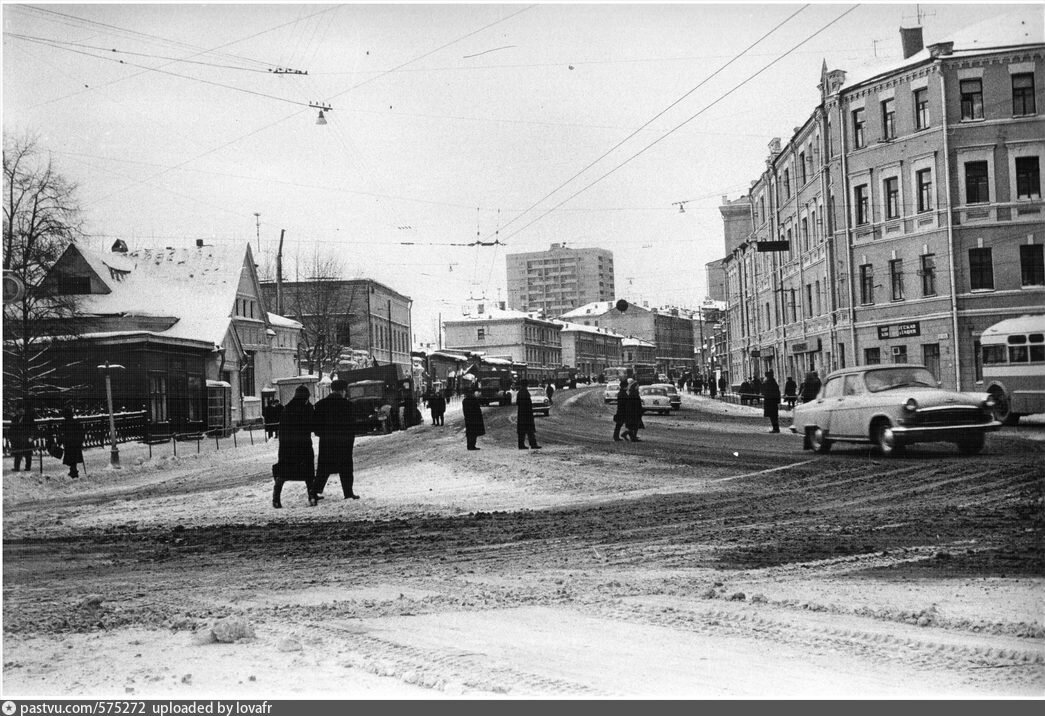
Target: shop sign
<point>900,330</point>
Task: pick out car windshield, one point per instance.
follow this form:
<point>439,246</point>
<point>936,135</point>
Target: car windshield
<point>538,391</point>
<point>889,378</point>
<point>653,391</point>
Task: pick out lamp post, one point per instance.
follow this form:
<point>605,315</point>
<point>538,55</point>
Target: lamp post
<point>114,453</point>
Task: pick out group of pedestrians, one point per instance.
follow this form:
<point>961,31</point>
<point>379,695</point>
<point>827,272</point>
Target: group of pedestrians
<point>771,395</point>
<point>525,425</point>
<point>333,419</point>
<point>68,443</point>
<point>629,412</point>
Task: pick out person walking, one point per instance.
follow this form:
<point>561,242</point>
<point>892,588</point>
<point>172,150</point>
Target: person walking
<point>473,419</point>
<point>550,391</point>
<point>618,417</point>
<point>296,456</point>
<point>72,441</point>
<point>810,386</point>
<point>771,401</point>
<point>335,424</point>
<point>790,392</point>
<point>21,434</point>
<point>711,388</point>
<point>525,426</point>
<point>722,385</point>
<point>272,413</point>
<point>437,404</point>
<point>632,412</point>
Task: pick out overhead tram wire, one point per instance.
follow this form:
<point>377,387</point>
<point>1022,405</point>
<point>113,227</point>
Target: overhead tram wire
<point>679,126</point>
<point>658,115</point>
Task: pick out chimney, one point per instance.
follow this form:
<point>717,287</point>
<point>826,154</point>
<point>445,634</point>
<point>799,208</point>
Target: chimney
<point>911,40</point>
<point>199,243</point>
<point>120,247</point>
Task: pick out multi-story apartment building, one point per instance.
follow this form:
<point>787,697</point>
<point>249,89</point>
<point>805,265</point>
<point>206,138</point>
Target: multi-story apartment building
<point>503,333</point>
<point>669,329</point>
<point>637,351</point>
<point>902,218</point>
<point>359,315</point>
<point>555,281</point>
<point>589,349</point>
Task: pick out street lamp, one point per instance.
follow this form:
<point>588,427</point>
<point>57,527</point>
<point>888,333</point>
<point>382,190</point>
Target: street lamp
<point>114,453</point>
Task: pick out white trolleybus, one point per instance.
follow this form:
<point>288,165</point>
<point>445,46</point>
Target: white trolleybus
<point>1013,354</point>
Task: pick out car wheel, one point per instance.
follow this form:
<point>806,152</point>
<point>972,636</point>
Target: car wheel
<point>972,445</point>
<point>886,439</point>
<point>818,441</point>
<point>1003,408</point>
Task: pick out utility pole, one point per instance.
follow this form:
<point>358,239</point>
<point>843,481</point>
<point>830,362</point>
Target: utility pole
<point>279,274</point>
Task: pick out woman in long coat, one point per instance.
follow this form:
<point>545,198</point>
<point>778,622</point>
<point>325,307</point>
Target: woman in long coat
<point>618,417</point>
<point>473,419</point>
<point>72,441</point>
<point>771,401</point>
<point>296,456</point>
<point>525,426</point>
<point>632,412</point>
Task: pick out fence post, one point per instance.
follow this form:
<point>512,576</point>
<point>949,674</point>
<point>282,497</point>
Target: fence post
<point>199,438</point>
<point>234,444</point>
<point>250,431</point>
<point>174,442</point>
<point>217,445</point>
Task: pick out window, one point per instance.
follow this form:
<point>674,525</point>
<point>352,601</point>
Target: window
<point>977,190</point>
<point>931,358</point>
<point>972,99</point>
<point>888,119</point>
<point>921,108</point>
<point>924,180</point>
<point>892,197</point>
<point>861,204</point>
<point>1023,94</point>
<point>858,128</point>
<point>802,165</point>
<point>928,275</point>
<point>809,300</point>
<point>872,356</point>
<point>866,284</point>
<point>896,278</point>
<point>1028,178</point>
<point>787,183</point>
<point>762,208</point>
<point>157,397</point>
<point>480,334</point>
<point>981,269</point>
<point>73,285</point>
<point>246,375</point>
<point>1032,265</point>
<point>899,354</point>
<point>805,234</point>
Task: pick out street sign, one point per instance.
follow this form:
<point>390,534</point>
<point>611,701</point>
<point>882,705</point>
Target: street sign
<point>14,288</point>
<point>772,246</point>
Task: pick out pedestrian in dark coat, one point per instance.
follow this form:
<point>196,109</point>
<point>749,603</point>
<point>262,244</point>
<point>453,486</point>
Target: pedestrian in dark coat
<point>618,417</point>
<point>437,404</point>
<point>711,387</point>
<point>745,392</point>
<point>632,412</point>
<point>525,426</point>
<point>771,401</point>
<point>21,434</point>
<point>296,456</point>
<point>810,386</point>
<point>334,422</point>
<point>271,414</point>
<point>72,441</point>
<point>473,419</point>
<point>790,392</point>
<point>550,391</point>
<point>722,385</point>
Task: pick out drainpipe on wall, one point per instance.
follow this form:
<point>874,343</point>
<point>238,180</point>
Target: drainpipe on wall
<point>848,232</point>
<point>829,241</point>
<point>950,228</point>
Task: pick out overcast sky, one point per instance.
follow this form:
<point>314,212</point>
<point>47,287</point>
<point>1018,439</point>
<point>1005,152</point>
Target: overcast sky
<point>449,123</point>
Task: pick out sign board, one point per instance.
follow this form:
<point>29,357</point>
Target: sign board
<point>765,246</point>
<point>900,330</point>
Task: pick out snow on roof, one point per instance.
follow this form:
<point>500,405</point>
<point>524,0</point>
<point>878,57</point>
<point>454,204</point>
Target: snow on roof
<point>590,309</point>
<point>283,322</point>
<point>1024,26</point>
<point>197,285</point>
<point>637,342</point>
<point>490,313</point>
<point>568,326</point>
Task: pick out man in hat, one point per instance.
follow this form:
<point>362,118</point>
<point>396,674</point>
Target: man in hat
<point>771,400</point>
<point>335,424</point>
<point>525,426</point>
<point>295,447</point>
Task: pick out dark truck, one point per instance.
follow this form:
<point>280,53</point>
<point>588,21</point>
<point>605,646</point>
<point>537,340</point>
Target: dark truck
<point>378,393</point>
<point>494,380</point>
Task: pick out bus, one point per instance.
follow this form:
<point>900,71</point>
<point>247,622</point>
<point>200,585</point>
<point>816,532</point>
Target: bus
<point>615,374</point>
<point>1013,354</point>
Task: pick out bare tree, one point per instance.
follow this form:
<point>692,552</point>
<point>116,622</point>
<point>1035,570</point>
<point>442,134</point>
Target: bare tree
<point>41,219</point>
<point>323,305</point>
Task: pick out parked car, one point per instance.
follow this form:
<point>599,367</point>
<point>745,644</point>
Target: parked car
<point>673,395</point>
<point>892,406</point>
<point>655,398</point>
<point>609,394</point>
<point>541,403</point>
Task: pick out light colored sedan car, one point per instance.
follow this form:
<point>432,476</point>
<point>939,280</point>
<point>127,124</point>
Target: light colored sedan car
<point>655,399</point>
<point>609,393</point>
<point>673,395</point>
<point>541,403</point>
<point>892,406</point>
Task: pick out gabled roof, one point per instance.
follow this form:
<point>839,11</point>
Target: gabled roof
<point>581,328</point>
<point>197,286</point>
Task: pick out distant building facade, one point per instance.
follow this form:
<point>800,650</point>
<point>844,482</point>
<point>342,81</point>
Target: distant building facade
<point>555,281</point>
<point>589,349</point>
<point>503,333</point>
<point>901,219</point>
